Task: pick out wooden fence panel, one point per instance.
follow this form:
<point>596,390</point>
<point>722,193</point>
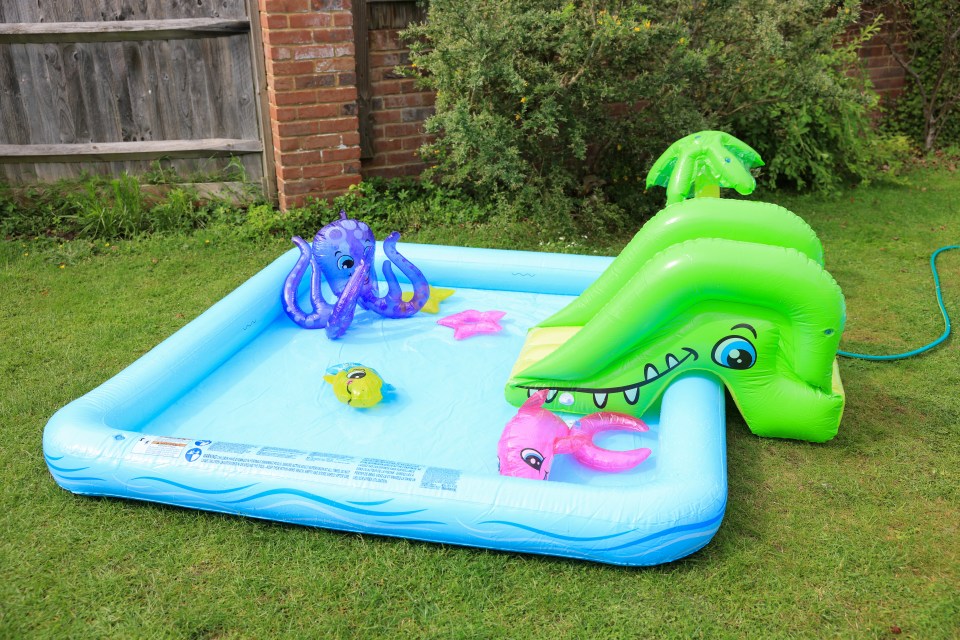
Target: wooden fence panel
<point>78,75</point>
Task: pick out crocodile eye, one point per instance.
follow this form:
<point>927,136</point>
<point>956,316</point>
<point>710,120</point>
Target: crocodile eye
<point>734,352</point>
<point>533,458</point>
<point>356,374</point>
<point>345,262</point>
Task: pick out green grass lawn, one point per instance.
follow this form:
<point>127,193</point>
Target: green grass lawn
<point>854,538</point>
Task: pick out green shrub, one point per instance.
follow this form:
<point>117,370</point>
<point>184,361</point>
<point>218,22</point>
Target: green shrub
<point>541,96</point>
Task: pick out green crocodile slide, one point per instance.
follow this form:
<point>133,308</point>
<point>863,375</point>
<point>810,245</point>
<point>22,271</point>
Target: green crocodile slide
<point>732,287</point>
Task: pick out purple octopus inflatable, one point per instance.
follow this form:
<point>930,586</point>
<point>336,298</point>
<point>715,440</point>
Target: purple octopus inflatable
<point>343,255</point>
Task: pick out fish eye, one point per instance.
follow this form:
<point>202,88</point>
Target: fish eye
<point>533,458</point>
<point>345,262</point>
<point>356,374</point>
<point>735,352</point>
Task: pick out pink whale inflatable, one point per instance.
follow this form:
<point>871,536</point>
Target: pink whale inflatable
<point>533,436</point>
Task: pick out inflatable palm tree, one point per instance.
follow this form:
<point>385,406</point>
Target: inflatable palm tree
<point>703,162</point>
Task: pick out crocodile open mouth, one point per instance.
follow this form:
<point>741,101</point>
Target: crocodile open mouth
<point>631,392</point>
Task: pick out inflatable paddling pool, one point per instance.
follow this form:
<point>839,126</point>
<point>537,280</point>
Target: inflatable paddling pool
<point>250,410</point>
<point>231,414</point>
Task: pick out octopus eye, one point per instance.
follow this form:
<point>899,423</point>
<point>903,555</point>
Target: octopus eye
<point>356,374</point>
<point>734,352</point>
<point>345,262</point>
<point>533,458</point>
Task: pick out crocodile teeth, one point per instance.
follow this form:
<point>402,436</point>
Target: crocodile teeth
<point>551,394</point>
<point>600,399</point>
<point>650,372</point>
<point>630,395</point>
<point>530,392</point>
<point>672,361</point>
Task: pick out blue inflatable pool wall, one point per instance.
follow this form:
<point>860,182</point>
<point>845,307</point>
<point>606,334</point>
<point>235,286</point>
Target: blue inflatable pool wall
<point>231,414</point>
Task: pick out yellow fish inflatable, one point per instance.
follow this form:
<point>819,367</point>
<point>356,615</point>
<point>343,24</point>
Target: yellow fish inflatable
<point>356,385</point>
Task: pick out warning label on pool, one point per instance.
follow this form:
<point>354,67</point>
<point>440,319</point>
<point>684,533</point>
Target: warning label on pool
<point>161,446</point>
<point>283,462</point>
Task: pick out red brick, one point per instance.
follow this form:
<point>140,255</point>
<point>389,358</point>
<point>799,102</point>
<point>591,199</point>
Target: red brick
<point>313,53</point>
<point>381,145</point>
<point>402,157</point>
<point>413,142</point>
<point>285,172</point>
<point>888,84</point>
<point>273,21</point>
<point>343,182</point>
<point>404,100</point>
<point>342,19</point>
<point>279,53</point>
<point>336,125</point>
<point>316,81</point>
<point>337,94</point>
<point>387,87</point>
<point>303,20</point>
<point>285,6</point>
<point>317,111</point>
<point>281,83</point>
<point>344,50</point>
<point>290,129</point>
<point>393,172</point>
<point>301,158</point>
<point>291,36</point>
<point>379,59</point>
<point>335,64</point>
<point>288,144</point>
<point>282,114</point>
<point>339,155</point>
<point>386,117</point>
<point>293,68</point>
<point>330,5</point>
<point>300,187</point>
<point>295,97</point>
<point>401,130</point>
<point>333,35</point>
<point>323,170</point>
<point>323,141</point>
<point>887,72</point>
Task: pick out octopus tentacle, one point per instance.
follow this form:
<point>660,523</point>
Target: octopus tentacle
<point>321,309</point>
<point>342,314</point>
<point>392,305</point>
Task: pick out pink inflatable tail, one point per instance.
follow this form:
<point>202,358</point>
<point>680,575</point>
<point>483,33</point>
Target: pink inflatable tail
<point>582,447</point>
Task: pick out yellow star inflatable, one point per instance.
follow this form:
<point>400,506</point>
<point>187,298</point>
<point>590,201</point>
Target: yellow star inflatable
<point>437,295</point>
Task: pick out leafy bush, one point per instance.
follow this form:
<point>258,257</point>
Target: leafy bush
<point>541,96</point>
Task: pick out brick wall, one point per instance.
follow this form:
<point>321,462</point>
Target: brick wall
<point>398,111</point>
<point>311,86</point>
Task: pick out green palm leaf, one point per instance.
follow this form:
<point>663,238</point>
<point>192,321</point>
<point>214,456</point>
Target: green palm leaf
<point>703,162</point>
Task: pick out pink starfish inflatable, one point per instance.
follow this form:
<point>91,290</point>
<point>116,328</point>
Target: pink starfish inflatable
<point>471,322</point>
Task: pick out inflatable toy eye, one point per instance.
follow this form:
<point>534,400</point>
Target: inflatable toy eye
<point>357,374</point>
<point>345,262</point>
<point>734,352</point>
<point>533,458</point>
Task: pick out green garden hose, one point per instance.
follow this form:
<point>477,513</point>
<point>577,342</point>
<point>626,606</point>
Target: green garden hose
<point>943,310</point>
